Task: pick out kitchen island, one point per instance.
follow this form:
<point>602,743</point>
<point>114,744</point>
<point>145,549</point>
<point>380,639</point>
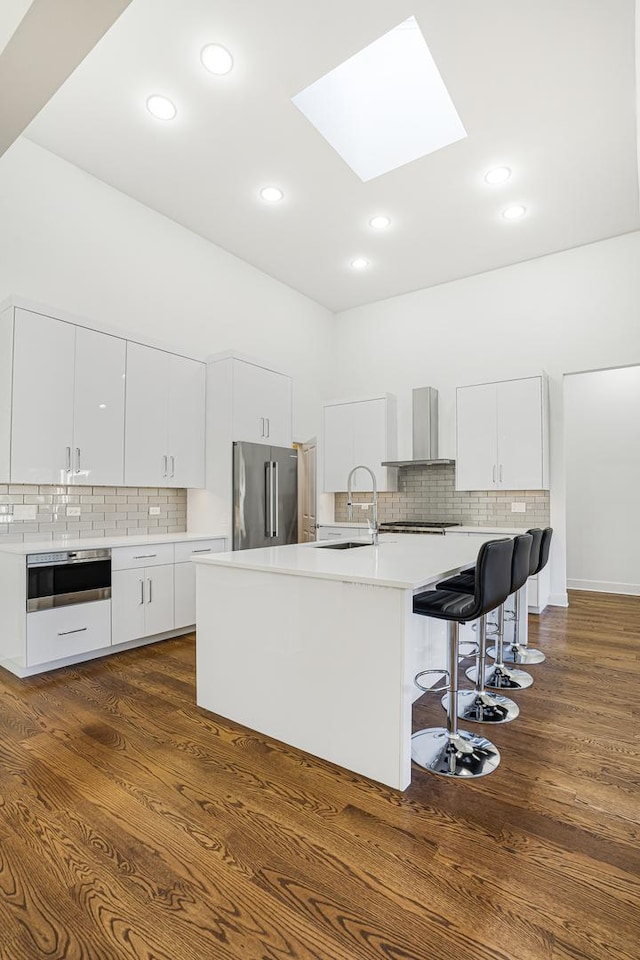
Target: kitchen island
<point>318,647</point>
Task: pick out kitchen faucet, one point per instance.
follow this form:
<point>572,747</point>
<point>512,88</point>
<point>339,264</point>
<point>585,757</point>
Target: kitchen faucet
<point>374,503</point>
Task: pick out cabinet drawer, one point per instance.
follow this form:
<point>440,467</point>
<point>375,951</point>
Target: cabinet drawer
<point>190,548</point>
<point>67,631</point>
<point>147,555</point>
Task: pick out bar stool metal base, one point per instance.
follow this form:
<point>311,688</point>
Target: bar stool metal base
<point>503,678</point>
<point>483,707</point>
<point>523,655</point>
<point>460,754</point>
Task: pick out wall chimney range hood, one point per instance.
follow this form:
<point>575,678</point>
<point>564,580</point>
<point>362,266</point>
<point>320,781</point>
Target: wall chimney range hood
<point>425,432</point>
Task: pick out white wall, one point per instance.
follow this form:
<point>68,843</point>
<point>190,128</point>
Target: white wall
<point>602,432</point>
<point>75,243</point>
<point>571,311</point>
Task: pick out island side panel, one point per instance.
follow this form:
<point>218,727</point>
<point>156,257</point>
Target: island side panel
<point>319,664</point>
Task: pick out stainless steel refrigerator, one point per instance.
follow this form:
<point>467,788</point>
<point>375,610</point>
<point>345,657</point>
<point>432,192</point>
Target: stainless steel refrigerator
<point>265,496</point>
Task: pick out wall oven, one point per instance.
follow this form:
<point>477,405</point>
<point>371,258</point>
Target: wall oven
<point>66,577</point>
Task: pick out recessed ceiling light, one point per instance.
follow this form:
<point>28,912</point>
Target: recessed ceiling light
<point>499,175</point>
<point>271,194</point>
<point>216,59</point>
<point>161,108</point>
<point>379,223</point>
<point>360,263</point>
<point>514,212</point>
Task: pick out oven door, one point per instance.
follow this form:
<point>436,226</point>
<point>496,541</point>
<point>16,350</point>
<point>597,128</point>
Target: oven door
<point>61,584</point>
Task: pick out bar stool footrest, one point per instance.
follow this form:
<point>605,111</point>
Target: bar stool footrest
<point>423,673</point>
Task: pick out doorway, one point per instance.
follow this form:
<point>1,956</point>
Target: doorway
<point>602,444</point>
<point>307,491</point>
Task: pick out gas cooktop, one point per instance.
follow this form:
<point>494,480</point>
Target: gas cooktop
<point>420,524</point>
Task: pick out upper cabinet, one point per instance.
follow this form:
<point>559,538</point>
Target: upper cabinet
<point>164,419</point>
<point>359,432</point>
<point>67,403</point>
<point>64,389</point>
<point>502,435</point>
<point>261,405</point>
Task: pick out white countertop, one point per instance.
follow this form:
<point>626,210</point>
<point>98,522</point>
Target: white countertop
<point>88,543</point>
<point>346,523</point>
<point>405,562</point>
<point>505,531</point>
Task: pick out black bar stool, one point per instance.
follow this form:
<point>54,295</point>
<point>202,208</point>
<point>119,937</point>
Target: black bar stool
<point>448,751</point>
<point>516,652</point>
<point>479,705</point>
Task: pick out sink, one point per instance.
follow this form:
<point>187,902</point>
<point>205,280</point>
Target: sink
<point>344,545</point>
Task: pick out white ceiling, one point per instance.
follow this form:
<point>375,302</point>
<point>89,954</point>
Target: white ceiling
<point>546,88</point>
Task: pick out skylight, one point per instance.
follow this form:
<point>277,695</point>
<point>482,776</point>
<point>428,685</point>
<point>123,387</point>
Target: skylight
<point>385,106</point>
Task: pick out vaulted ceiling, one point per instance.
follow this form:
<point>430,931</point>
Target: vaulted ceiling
<point>545,88</point>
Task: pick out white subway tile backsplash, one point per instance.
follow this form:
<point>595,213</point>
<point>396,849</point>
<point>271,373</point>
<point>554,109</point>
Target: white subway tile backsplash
<point>40,512</point>
<point>429,493</point>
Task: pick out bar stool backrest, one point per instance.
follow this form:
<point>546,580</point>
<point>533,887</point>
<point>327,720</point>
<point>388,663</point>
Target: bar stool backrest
<point>493,577</point>
<point>534,558</point>
<point>547,533</point>
<point>520,563</point>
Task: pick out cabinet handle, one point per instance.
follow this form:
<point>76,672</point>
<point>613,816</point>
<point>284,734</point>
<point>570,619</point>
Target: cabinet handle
<point>68,462</point>
<point>65,633</point>
<point>150,582</point>
<point>262,426</point>
<point>144,556</point>
<point>494,473</point>
<point>77,459</point>
<point>165,461</point>
<point>500,473</point>
<point>173,465</point>
<point>141,582</point>
<point>208,550</point>
<point>268,422</point>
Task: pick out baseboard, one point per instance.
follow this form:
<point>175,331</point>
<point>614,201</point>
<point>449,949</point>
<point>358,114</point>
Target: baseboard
<point>604,586</point>
<point>558,600</point>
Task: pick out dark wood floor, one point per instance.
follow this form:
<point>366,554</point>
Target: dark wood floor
<point>133,824</point>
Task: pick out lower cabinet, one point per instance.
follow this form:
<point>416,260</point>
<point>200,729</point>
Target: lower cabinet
<point>67,631</point>
<point>185,578</point>
<point>142,602</point>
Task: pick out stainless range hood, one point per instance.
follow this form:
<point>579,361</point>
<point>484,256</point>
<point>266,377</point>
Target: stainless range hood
<point>425,432</point>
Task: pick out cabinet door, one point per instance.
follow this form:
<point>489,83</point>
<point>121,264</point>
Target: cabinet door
<point>67,631</point>
<point>158,614</point>
<point>261,405</point>
<point>42,420</point>
<point>98,417</point>
<point>186,422</point>
<point>370,442</point>
<point>127,605</point>
<point>146,459</point>
<point>185,594</point>
<point>520,434</point>
<point>277,407</point>
<point>476,433</point>
<point>338,447</point>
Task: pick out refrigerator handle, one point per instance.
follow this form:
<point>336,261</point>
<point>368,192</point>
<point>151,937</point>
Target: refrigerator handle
<point>268,500</point>
<point>275,499</point>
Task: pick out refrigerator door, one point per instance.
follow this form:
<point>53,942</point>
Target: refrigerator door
<point>285,486</point>
<point>252,510</point>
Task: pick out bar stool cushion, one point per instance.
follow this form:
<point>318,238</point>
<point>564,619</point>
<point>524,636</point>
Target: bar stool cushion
<point>444,604</point>
<point>463,583</point>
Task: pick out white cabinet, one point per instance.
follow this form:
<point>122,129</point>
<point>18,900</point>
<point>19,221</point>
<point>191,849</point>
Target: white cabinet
<point>67,631</point>
<point>142,602</point>
<point>359,432</point>
<point>98,409</point>
<point>502,435</point>
<point>261,405</point>
<point>185,577</point>
<point>342,533</point>
<point>68,403</point>
<point>164,419</point>
<point>42,413</point>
